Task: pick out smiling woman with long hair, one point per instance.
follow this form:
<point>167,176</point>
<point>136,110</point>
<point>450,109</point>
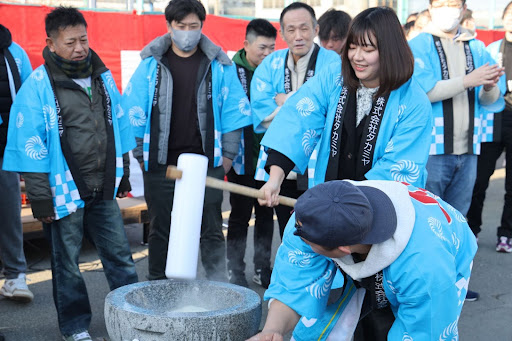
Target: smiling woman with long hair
<point>369,120</point>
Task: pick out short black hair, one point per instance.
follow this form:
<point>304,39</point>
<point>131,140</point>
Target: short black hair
<point>260,27</point>
<point>62,17</point>
<point>412,15</point>
<point>333,21</point>
<point>298,5</point>
<point>408,26</point>
<point>176,10</point>
<point>396,62</point>
<point>505,10</point>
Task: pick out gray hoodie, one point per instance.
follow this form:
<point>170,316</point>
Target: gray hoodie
<point>157,49</point>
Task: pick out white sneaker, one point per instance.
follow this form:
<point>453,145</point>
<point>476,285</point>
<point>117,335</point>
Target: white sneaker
<point>17,289</point>
<point>504,244</point>
<point>82,336</point>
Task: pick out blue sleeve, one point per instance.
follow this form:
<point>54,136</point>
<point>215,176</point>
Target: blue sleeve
<point>22,60</point>
<point>301,278</point>
<point>262,93</point>
<point>406,154</point>
<point>426,67</point>
<point>137,99</point>
<point>236,109</point>
<point>125,129</point>
<point>299,125</point>
<point>27,148</point>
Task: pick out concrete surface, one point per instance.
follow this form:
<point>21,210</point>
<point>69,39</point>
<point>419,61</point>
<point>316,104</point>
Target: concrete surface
<point>487,319</point>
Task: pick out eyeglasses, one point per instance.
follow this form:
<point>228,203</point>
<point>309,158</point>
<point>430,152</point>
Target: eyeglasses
<point>452,4</point>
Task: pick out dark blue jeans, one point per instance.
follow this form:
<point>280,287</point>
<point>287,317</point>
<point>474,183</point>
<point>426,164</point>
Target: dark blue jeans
<point>452,178</point>
<point>104,225</point>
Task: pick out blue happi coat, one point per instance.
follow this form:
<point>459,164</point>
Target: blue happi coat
<point>22,61</point>
<point>302,131</point>
<point>231,108</point>
<point>487,126</point>
<point>33,141</point>
<point>426,267</point>
<point>427,71</point>
<point>268,80</point>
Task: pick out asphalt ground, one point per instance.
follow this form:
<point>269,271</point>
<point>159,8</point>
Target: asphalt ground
<point>486,319</point>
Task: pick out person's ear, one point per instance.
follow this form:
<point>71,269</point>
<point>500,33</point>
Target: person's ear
<point>49,43</point>
<point>345,249</point>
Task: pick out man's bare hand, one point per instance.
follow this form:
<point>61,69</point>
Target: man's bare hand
<point>280,98</point>
<point>226,164</point>
<point>46,220</point>
<point>122,194</point>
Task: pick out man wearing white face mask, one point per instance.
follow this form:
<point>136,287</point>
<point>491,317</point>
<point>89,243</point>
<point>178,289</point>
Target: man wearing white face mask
<point>185,97</point>
<point>459,77</point>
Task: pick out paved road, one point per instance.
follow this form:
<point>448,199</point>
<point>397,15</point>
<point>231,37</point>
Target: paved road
<point>487,319</point>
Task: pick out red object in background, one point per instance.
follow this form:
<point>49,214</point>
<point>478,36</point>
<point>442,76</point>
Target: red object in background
<point>489,36</point>
<point>111,32</point>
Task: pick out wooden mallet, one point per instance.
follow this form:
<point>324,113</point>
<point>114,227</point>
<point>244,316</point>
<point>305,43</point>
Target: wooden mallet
<point>174,173</point>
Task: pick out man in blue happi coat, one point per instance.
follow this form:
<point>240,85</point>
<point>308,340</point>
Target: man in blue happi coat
<point>69,137</point>
<point>460,78</point>
<point>260,40</point>
<point>390,244</point>
<point>280,75</point>
<point>185,97</point>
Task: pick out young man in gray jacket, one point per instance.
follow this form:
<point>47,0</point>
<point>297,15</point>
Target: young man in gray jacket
<point>185,97</point>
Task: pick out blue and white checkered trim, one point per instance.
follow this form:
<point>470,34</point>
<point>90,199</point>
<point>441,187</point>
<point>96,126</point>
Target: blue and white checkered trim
<point>311,168</point>
<point>217,149</point>
<point>66,197</point>
<point>487,127</point>
<point>437,146</point>
<point>239,160</point>
<point>260,173</point>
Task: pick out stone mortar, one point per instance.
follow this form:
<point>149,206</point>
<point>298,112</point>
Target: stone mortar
<point>145,311</point>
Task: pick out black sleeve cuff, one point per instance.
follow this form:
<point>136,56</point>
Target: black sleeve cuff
<point>277,159</point>
<point>42,208</point>
<point>124,185</point>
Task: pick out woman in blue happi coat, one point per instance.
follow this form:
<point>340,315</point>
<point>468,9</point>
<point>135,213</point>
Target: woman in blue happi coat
<point>372,121</point>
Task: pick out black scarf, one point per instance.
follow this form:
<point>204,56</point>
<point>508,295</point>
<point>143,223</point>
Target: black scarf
<point>73,69</point>
<point>448,103</point>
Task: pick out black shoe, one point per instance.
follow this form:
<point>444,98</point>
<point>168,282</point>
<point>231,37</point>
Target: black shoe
<point>262,277</point>
<point>472,296</point>
<point>238,278</point>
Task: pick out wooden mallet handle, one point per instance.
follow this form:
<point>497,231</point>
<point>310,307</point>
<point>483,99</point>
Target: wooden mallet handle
<point>174,173</point>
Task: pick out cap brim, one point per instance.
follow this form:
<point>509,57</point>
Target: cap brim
<point>384,216</point>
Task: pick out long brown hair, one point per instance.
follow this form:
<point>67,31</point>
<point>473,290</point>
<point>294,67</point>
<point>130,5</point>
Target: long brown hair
<point>396,62</point>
